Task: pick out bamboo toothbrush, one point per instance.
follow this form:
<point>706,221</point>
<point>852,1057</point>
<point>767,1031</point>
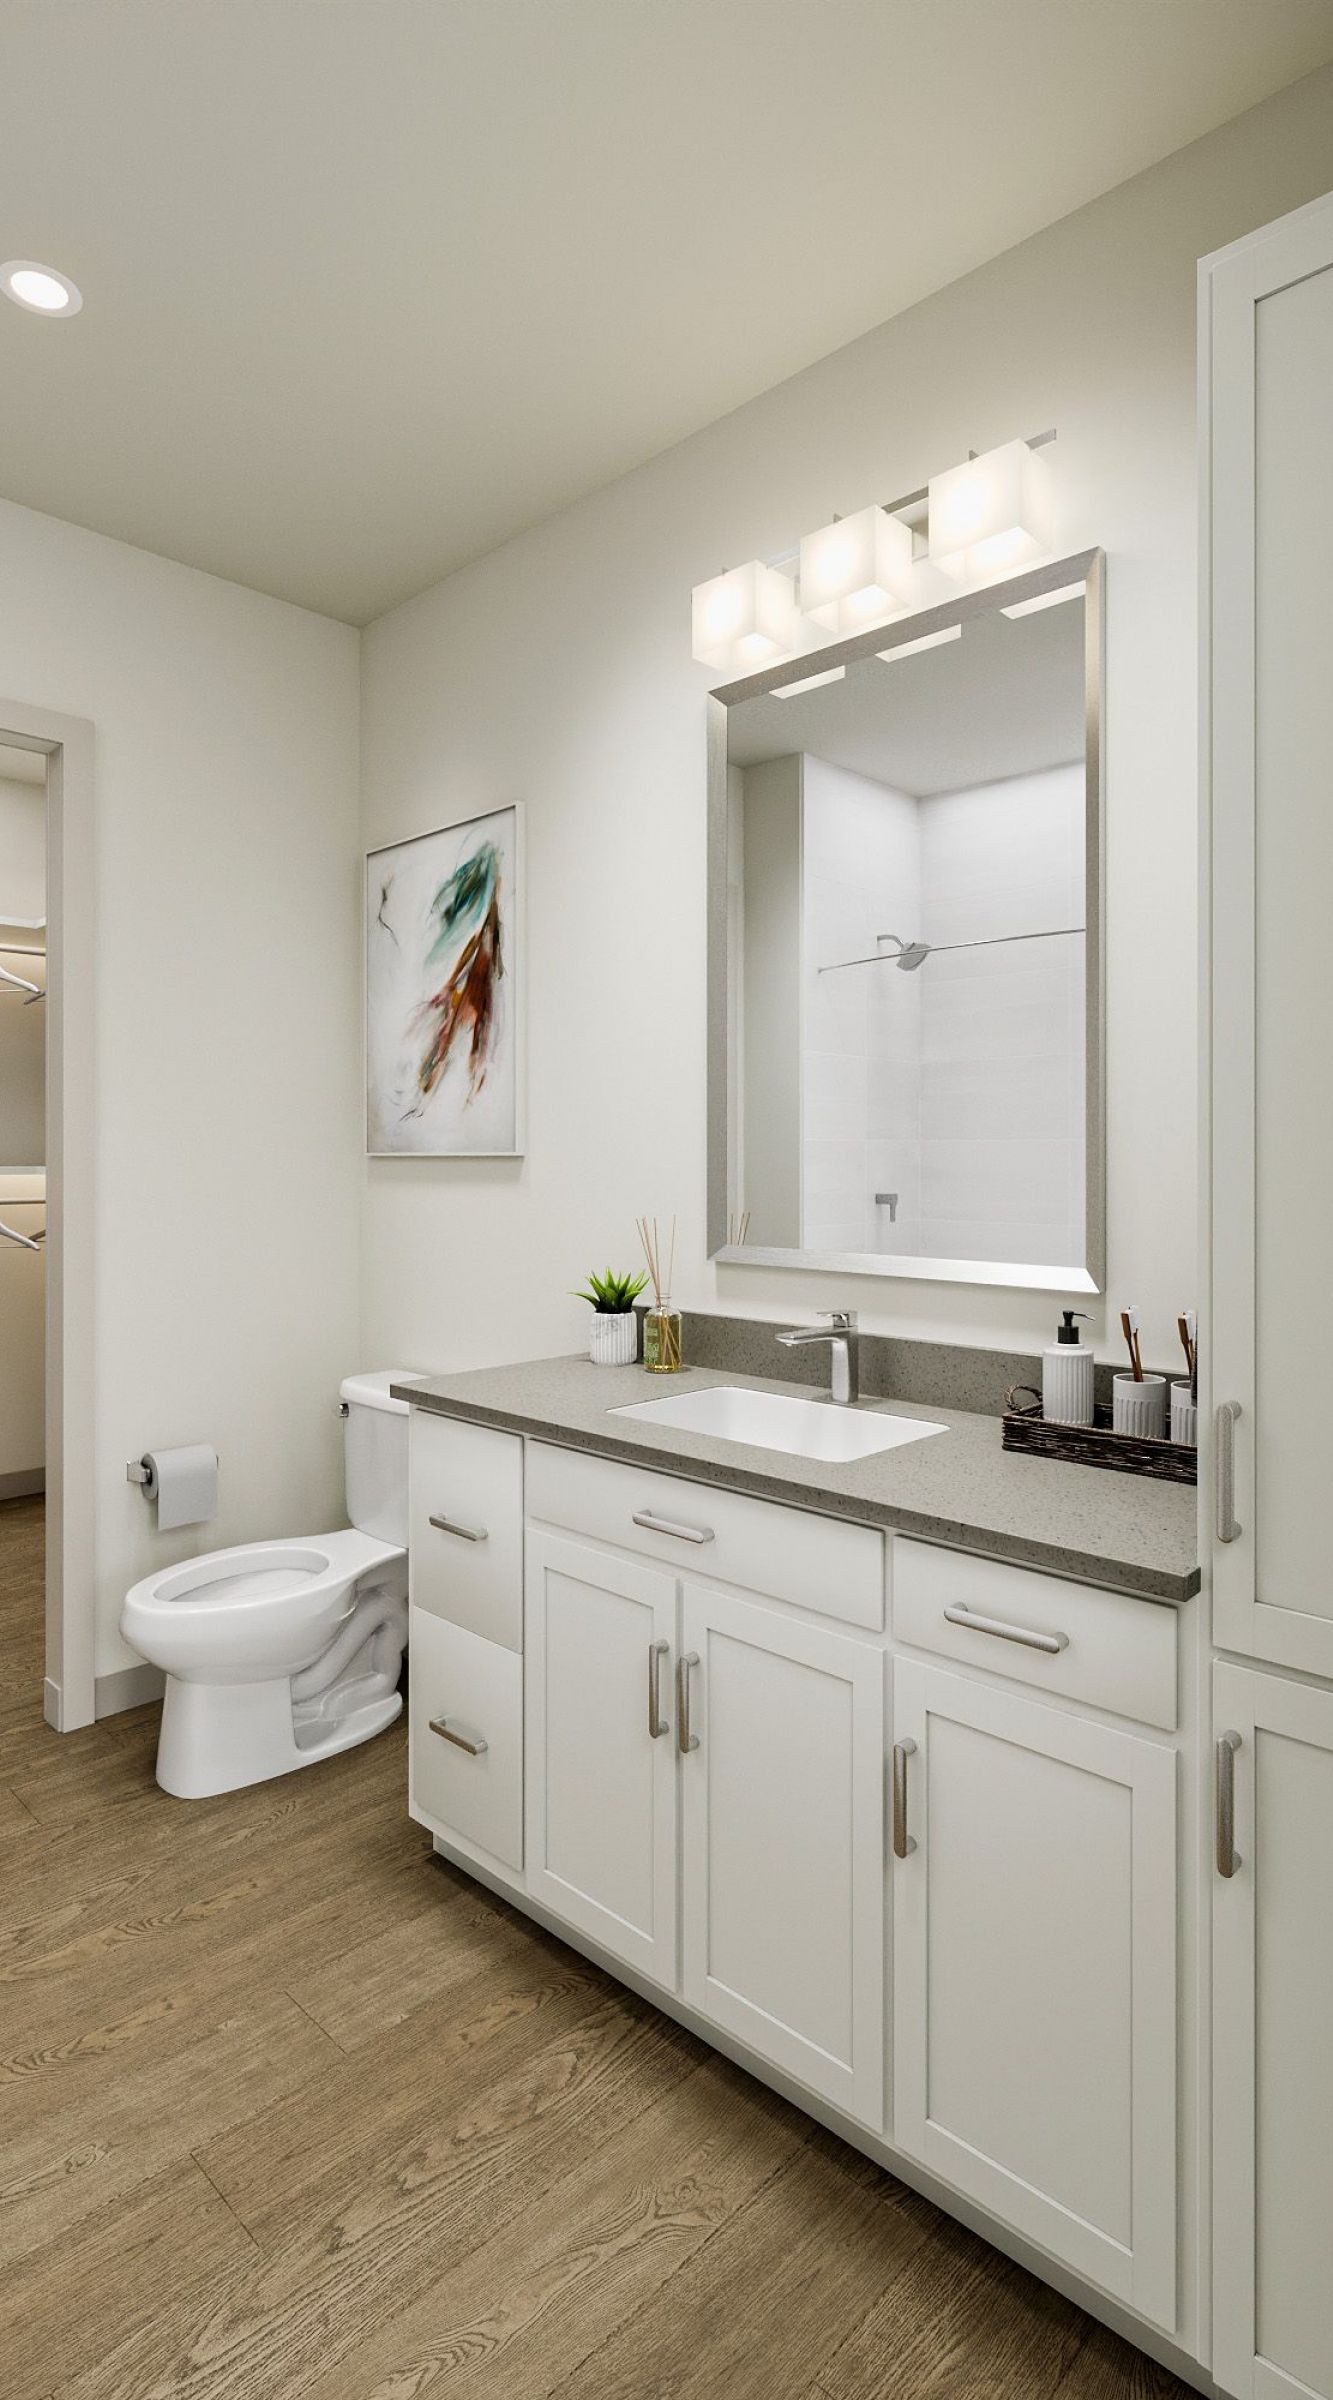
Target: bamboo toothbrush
<point>1129,1326</point>
<point>1188,1328</point>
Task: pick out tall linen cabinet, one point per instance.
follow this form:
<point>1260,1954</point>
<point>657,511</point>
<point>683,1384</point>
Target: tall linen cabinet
<point>1267,722</point>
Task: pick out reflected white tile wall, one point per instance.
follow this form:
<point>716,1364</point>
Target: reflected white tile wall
<point>959,1087</point>
<point>1002,1038</point>
<point>860,1041</point>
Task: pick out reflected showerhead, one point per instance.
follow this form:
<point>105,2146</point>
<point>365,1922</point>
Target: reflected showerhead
<point>910,954</point>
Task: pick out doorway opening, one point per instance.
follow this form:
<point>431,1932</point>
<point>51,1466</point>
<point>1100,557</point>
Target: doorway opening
<point>48,1652</point>
<point>23,1003</point>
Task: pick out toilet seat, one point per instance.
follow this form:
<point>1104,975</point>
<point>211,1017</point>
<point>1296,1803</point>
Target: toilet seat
<point>263,1572</point>
<point>255,1611</point>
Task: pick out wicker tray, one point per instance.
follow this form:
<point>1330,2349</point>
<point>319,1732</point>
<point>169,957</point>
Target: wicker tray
<point>1097,1445</point>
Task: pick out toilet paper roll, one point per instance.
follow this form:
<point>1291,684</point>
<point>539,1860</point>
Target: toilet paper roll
<point>184,1484</point>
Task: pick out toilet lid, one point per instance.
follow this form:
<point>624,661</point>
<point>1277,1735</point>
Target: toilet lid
<point>267,1574</point>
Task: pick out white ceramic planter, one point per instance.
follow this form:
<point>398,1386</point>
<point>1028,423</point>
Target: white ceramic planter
<point>613,1340</point>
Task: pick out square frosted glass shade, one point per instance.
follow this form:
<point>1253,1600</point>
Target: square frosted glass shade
<point>744,619</point>
<point>993,514</point>
<point>857,570</point>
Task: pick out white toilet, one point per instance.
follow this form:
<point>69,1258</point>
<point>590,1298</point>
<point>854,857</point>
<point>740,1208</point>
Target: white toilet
<point>279,1653</point>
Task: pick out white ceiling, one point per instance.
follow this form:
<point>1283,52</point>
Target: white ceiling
<point>372,284</point>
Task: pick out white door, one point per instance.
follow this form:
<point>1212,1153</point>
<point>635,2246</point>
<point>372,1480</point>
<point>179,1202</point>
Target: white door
<point>1034,1978</point>
<point>1267,330</point>
<point>1273,2040</point>
<point>782,1800</point>
<point>601,1762</point>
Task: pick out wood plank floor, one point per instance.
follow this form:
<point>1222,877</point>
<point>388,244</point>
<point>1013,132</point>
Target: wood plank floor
<point>290,2108</point>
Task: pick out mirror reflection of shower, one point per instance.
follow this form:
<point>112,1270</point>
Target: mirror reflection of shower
<point>931,818</point>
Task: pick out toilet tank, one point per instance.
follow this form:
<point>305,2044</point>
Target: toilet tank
<point>375,1454</point>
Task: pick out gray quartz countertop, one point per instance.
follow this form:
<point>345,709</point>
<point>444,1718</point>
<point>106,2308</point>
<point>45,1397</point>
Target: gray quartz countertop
<point>1126,1531</point>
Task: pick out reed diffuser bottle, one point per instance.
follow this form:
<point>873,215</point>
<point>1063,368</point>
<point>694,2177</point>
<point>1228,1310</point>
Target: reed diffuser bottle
<point>661,1326</point>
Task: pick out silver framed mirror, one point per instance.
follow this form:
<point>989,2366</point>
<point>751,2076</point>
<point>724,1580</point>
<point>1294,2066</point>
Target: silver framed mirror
<point>905,946</point>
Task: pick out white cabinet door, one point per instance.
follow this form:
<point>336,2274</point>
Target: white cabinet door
<point>1267,331</point>
<point>601,1783</point>
<point>1034,1980</point>
<point>1273,2043</point>
<point>783,1842</point>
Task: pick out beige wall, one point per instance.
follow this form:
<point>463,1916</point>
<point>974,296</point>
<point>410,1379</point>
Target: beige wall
<point>558,669</point>
<point>228,1054</point>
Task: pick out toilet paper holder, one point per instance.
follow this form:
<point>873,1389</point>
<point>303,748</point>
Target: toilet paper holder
<point>137,1470</point>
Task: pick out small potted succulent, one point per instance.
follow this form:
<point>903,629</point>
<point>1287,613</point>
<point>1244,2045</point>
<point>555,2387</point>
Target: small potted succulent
<point>613,1338</point>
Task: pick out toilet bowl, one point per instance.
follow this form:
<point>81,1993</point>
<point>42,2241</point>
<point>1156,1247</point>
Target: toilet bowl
<point>280,1653</point>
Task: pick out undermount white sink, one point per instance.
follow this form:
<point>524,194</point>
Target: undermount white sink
<point>772,1421</point>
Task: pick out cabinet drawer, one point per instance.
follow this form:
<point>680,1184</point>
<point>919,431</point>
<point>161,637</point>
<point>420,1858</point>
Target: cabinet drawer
<point>475,1690</point>
<point>818,1563</point>
<point>1117,1653</point>
<point>466,1525</point>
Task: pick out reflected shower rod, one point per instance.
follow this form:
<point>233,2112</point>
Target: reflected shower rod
<point>911,955</point>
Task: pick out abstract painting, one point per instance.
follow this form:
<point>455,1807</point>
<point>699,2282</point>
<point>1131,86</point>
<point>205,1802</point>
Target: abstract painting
<point>443,991</point>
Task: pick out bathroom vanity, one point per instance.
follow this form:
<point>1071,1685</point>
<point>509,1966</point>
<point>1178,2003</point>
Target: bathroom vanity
<point>879,1775</point>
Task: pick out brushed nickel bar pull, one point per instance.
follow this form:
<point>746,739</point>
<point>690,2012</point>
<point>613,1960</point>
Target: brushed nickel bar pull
<point>960,1614</point>
<point>1228,1856</point>
<point>1227,1413</point>
<point>465,1533</point>
<point>685,1740</point>
<point>657,1723</point>
<point>473,1743</point>
<point>681,1533</point>
<point>903,1844</point>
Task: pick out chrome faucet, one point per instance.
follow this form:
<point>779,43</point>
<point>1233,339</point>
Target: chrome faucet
<point>845,1345</point>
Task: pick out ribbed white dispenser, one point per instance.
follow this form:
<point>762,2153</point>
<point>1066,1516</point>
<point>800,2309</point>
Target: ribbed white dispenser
<point>1066,1376</point>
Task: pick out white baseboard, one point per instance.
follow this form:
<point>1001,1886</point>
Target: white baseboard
<point>24,1485</point>
<point>53,1705</point>
<point>129,1687</point>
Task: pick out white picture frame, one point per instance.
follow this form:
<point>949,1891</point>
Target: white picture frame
<point>445,940</point>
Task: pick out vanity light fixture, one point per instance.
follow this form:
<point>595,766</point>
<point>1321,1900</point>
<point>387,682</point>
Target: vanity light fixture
<point>42,289</point>
<point>808,683</point>
<point>1029,608</point>
<point>928,641</point>
<point>856,570</point>
<point>993,513</point>
<point>745,618</point>
<point>970,526</point>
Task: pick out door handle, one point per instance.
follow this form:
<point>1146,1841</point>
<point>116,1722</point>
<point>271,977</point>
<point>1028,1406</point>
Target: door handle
<point>685,1740</point>
<point>903,1844</point>
<point>960,1614</point>
<point>1224,1757</point>
<point>1225,1450</point>
<point>679,1533</point>
<point>473,1743</point>
<point>465,1533</point>
<point>657,1723</point>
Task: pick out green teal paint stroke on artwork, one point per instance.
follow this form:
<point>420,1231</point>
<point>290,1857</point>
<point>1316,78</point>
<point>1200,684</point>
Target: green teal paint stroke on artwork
<point>463,1011</point>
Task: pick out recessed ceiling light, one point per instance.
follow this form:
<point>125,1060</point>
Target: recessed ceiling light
<point>41,289</point>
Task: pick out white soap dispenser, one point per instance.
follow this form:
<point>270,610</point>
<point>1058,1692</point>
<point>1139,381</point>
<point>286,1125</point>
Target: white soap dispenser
<point>1066,1376</point>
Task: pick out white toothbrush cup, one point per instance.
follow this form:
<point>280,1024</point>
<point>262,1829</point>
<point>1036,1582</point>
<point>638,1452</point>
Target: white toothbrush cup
<point>1140,1407</point>
<point>1184,1416</point>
